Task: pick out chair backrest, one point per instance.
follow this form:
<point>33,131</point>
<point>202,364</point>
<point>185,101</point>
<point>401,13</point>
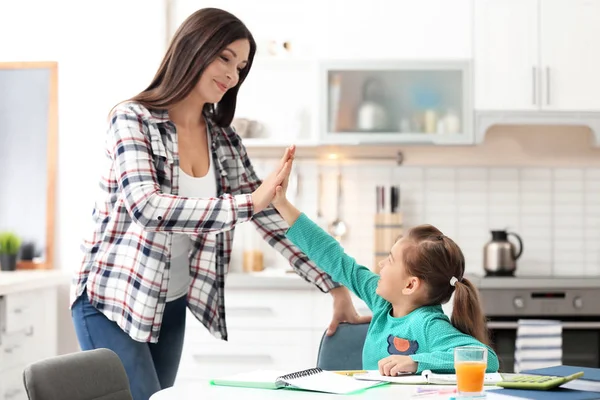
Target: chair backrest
<point>86,375</point>
<point>343,350</point>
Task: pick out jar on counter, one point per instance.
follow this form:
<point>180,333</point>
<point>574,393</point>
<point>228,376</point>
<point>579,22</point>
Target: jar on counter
<point>253,258</point>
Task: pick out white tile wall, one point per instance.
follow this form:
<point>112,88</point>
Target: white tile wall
<point>555,210</point>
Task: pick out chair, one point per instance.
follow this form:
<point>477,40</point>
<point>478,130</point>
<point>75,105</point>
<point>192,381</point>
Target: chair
<point>343,350</point>
<point>87,375</point>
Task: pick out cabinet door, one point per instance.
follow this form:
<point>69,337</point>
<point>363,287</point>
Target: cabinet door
<point>506,55</point>
<point>570,42</point>
<point>398,29</point>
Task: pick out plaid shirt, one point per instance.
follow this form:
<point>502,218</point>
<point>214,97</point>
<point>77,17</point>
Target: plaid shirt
<point>126,259</point>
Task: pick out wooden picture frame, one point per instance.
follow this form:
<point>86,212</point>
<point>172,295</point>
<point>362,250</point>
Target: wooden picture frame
<point>51,157</point>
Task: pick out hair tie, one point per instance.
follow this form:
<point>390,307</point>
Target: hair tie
<point>440,237</point>
<point>453,281</point>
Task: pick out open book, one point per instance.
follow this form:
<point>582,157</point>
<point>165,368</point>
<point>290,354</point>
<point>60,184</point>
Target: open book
<point>426,378</point>
<point>314,379</point>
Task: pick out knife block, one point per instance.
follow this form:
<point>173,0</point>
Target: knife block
<point>387,229</point>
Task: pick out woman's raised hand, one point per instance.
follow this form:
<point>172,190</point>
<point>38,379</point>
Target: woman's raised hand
<point>265,193</point>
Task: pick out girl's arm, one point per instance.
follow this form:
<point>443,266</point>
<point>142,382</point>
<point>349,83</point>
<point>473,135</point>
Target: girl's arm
<point>327,253</point>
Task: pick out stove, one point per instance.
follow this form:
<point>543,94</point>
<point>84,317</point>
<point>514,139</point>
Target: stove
<point>575,301</point>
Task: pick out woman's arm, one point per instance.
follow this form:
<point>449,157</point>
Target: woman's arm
<point>129,147</point>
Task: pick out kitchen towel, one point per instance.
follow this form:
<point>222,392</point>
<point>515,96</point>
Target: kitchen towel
<point>538,344</point>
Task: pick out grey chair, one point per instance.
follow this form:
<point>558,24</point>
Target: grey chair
<point>87,375</point>
<point>343,350</point>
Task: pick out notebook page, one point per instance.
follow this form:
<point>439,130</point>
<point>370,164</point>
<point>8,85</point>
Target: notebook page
<point>330,382</point>
<point>257,378</point>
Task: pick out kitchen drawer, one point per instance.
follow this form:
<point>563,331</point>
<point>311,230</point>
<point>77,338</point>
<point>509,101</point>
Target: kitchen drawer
<point>18,348</point>
<point>196,332</point>
<point>212,362</point>
<point>11,384</point>
<point>268,309</point>
<point>240,339</point>
<point>20,310</point>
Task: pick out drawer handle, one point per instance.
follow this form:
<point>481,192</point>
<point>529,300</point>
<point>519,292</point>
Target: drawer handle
<point>250,311</point>
<point>18,311</point>
<point>10,350</point>
<point>212,359</point>
<point>12,393</point>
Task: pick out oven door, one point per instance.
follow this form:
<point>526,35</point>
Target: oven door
<point>581,343</point>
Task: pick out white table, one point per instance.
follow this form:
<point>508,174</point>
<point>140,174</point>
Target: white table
<point>205,391</point>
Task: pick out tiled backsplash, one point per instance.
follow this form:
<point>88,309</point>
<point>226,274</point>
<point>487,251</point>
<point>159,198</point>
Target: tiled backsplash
<point>555,210</point>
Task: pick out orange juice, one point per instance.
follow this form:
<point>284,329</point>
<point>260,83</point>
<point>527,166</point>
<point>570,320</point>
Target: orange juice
<point>469,376</point>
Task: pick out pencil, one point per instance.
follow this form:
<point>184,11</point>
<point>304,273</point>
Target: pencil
<point>350,373</point>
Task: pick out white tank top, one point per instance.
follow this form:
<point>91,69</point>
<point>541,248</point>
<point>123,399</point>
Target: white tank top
<point>189,186</point>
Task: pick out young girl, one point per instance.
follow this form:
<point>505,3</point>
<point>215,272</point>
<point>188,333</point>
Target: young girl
<point>409,331</point>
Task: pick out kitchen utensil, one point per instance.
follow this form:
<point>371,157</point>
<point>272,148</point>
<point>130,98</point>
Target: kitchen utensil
<point>372,115</point>
<point>394,199</point>
<point>500,256</point>
<point>338,227</point>
<point>387,225</point>
<point>320,218</point>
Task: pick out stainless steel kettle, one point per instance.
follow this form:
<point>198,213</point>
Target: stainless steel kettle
<point>500,256</point>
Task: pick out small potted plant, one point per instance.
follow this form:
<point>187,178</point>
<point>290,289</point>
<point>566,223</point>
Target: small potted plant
<point>9,249</point>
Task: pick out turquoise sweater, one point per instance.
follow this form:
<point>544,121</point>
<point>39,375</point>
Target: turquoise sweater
<point>426,334</point>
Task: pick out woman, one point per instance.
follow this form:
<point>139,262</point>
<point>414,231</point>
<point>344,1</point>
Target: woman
<point>177,181</point>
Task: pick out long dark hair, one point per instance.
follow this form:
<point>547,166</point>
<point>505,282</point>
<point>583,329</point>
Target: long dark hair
<point>435,259</point>
<point>197,42</point>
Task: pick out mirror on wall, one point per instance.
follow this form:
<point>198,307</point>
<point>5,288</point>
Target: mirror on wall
<point>28,158</point>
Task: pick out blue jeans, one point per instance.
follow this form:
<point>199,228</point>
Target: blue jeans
<point>150,367</point>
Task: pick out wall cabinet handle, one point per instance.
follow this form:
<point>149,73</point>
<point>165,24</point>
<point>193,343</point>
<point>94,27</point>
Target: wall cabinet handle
<point>548,85</point>
<point>534,84</point>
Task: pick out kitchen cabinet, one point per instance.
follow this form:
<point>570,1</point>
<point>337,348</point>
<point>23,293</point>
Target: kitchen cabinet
<point>396,102</point>
<point>28,325</point>
<point>534,55</point>
<point>282,91</point>
<point>569,58</point>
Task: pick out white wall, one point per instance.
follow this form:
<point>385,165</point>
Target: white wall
<point>106,51</point>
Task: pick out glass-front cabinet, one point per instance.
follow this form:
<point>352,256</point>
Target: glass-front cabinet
<point>402,102</point>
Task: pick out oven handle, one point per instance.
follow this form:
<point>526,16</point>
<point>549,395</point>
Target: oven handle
<point>565,325</point>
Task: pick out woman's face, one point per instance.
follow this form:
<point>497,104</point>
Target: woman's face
<point>223,72</point>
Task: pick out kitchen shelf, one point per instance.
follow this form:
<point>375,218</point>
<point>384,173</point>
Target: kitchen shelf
<point>272,143</point>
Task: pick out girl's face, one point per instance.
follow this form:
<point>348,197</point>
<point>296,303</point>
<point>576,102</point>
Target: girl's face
<point>393,275</point>
<point>223,72</point>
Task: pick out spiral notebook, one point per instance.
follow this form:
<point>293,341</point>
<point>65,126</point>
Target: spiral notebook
<point>314,379</point>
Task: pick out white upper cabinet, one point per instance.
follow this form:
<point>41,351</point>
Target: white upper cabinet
<point>395,29</point>
<point>506,54</point>
<point>570,56</point>
<point>537,55</point>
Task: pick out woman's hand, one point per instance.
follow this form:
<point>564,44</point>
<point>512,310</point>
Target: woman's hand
<point>264,194</point>
<point>392,365</point>
<point>344,310</point>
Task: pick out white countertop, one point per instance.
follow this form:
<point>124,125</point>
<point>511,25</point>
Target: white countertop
<point>18,281</point>
<point>536,282</point>
<point>280,279</point>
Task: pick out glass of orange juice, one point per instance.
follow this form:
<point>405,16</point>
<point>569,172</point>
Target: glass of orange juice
<point>470,363</point>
